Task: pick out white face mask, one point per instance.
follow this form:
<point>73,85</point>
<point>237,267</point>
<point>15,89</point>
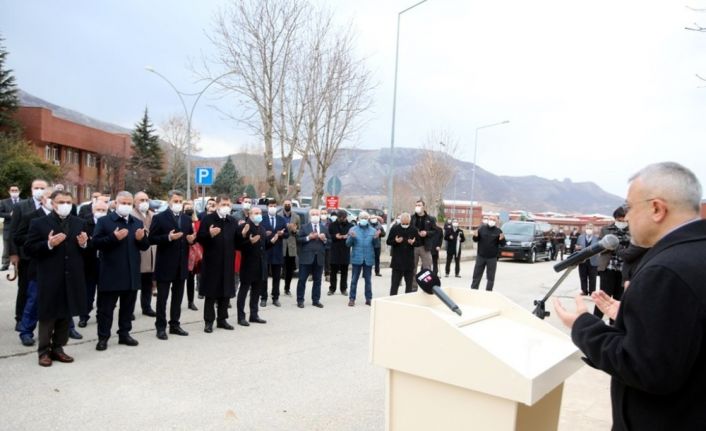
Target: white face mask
<point>455,225</point>
<point>14,195</point>
<point>246,205</point>
<point>98,214</point>
<point>37,193</point>
<point>404,226</point>
<point>223,211</point>
<point>47,204</point>
<point>143,207</point>
<point>123,210</point>
<point>324,216</point>
<point>589,232</point>
<point>418,209</point>
<point>272,211</point>
<point>334,218</point>
<point>621,224</point>
<point>373,221</point>
<point>315,219</point>
<point>491,223</point>
<point>485,221</point>
<point>176,208</point>
<point>63,210</point>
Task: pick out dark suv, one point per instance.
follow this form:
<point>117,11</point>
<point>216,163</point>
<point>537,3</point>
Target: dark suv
<point>526,240</point>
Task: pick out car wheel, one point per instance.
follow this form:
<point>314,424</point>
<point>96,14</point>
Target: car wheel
<point>533,256</point>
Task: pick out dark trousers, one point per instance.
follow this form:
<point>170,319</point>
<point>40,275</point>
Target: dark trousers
<point>435,263</point>
<point>377,260</point>
<point>5,251</point>
<point>22,283</point>
<point>209,312</point>
<point>452,256</point>
<point>327,262</point>
<point>90,296</point>
<point>190,287</point>
<point>52,335</point>
<point>290,263</point>
<point>612,285</point>
<point>304,271</point>
<point>163,287</point>
<point>106,305</point>
<point>483,263</point>
<point>335,270</point>
<point>397,275</point>
<point>587,276</point>
<point>254,287</point>
<point>146,291</point>
<point>276,272</point>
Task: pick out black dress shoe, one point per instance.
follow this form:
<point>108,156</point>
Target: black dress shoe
<point>257,320</point>
<point>132,317</point>
<point>193,307</point>
<point>17,327</point>
<point>82,323</point>
<point>162,334</point>
<point>300,304</point>
<point>243,322</point>
<point>331,292</point>
<point>458,276</point>
<point>276,303</point>
<point>5,268</point>
<point>344,292</point>
<point>102,345</point>
<point>318,304</point>
<point>74,335</point>
<point>208,328</point>
<point>224,325</point>
<point>377,274</point>
<point>177,331</point>
<point>288,293</point>
<point>150,313</point>
<point>128,341</point>
<point>263,303</point>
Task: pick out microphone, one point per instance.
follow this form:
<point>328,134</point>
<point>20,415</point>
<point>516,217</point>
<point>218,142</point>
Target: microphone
<point>608,242</point>
<point>430,283</point>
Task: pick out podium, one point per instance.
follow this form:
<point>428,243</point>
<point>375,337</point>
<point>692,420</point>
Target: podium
<point>497,367</point>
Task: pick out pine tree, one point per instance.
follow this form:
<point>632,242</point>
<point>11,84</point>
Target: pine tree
<point>228,181</point>
<point>441,215</point>
<point>8,95</point>
<point>250,190</point>
<point>145,170</point>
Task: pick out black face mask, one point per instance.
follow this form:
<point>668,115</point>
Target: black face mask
<point>189,212</point>
<point>287,208</point>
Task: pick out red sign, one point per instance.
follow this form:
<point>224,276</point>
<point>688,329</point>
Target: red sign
<point>331,202</point>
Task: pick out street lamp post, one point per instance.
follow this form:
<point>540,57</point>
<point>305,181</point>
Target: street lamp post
<point>391,172</point>
<point>475,154</point>
<point>189,115</point>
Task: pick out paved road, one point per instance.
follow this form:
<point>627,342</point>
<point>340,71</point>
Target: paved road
<point>304,370</point>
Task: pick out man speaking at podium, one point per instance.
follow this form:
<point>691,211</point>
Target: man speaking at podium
<point>656,351</point>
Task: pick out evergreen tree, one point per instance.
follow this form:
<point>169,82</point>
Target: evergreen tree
<point>145,169</point>
<point>228,181</point>
<point>8,95</point>
<point>250,190</point>
<point>441,215</point>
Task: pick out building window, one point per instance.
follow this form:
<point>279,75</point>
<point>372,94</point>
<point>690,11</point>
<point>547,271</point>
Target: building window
<point>91,160</point>
<point>72,156</point>
<point>47,152</point>
<point>51,154</point>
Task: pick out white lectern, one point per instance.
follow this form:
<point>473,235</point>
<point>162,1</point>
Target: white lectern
<point>497,367</point>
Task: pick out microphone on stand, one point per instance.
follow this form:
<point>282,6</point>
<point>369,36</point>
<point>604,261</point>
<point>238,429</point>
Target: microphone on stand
<point>608,242</point>
<point>431,284</point>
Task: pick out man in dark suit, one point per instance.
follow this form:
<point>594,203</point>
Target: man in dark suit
<point>119,237</point>
<point>171,231</point>
<point>312,239</point>
<point>57,242</point>
<point>655,351</point>
<point>340,252</point>
<point>6,206</point>
<point>217,237</point>
<point>19,226</point>
<point>454,238</point>
<point>91,260</point>
<point>86,211</point>
<point>402,238</point>
<point>273,223</point>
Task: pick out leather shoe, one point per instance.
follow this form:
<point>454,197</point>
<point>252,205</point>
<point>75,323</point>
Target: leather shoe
<point>178,331</point>
<point>224,325</point>
<point>74,335</point>
<point>263,303</point>
<point>318,304</point>
<point>331,292</point>
<point>344,292</point>
<point>367,302</point>
<point>18,327</point>
<point>128,341</point>
<point>102,345</point>
<point>162,334</point>
<point>61,357</point>
<point>288,293</point>
<point>5,268</point>
<point>458,276</point>
<point>150,313</point>
<point>300,304</point>
<point>257,320</point>
<point>193,307</point>
<point>351,303</point>
<point>45,360</point>
<point>132,317</point>
<point>378,275</point>
<point>243,322</point>
<point>276,303</point>
<point>82,323</point>
<point>208,328</point>
<point>27,340</point>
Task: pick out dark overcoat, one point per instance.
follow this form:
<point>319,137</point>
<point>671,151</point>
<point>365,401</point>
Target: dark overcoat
<point>19,226</point>
<point>119,268</point>
<point>275,254</point>
<point>253,266</point>
<point>218,264</point>
<point>340,252</point>
<point>172,257</point>
<point>402,253</point>
<point>451,236</point>
<point>61,286</point>
<point>90,254</point>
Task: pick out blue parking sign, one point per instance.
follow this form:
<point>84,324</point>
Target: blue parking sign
<point>204,176</point>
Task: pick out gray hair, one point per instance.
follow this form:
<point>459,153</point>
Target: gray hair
<point>672,182</point>
<point>405,215</point>
<point>171,193</point>
<point>123,194</point>
<point>363,214</point>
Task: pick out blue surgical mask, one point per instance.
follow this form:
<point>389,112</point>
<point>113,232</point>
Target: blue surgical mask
<point>363,222</point>
<point>257,219</point>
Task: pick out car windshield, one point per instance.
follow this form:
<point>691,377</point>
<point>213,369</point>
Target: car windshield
<point>523,229</point>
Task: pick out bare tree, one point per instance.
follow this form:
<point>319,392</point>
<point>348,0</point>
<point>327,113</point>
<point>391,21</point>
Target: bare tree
<point>174,135</point>
<point>113,166</point>
<point>435,168</point>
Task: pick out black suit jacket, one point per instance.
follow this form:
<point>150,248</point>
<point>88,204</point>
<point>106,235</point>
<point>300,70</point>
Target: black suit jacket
<point>19,226</point>
<point>172,257</point>
<point>253,267</point>
<point>6,207</point>
<point>310,249</point>
<point>218,266</point>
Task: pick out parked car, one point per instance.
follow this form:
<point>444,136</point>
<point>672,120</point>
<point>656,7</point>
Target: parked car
<point>526,240</point>
<point>377,212</point>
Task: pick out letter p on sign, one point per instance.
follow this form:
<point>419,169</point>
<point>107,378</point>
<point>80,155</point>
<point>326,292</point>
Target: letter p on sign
<point>204,176</point>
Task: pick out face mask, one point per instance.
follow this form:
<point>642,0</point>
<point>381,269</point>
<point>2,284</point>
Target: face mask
<point>247,205</point>
<point>37,193</point>
<point>324,216</point>
<point>491,223</point>
<point>363,222</point>
<point>176,208</point>
<point>143,207</point>
<point>485,221</point>
<point>47,204</point>
<point>63,210</point>
<point>404,226</point>
<point>223,211</point>
<point>418,210</point>
<point>315,219</point>
<point>272,211</point>
<point>189,212</point>
<point>621,224</point>
<point>14,195</point>
<point>455,225</point>
<point>333,218</point>
<point>287,208</point>
<point>373,221</point>
<point>98,214</point>
<point>257,219</point>
<point>123,210</point>
<point>589,232</point>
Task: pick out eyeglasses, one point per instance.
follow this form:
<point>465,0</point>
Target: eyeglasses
<point>628,206</point>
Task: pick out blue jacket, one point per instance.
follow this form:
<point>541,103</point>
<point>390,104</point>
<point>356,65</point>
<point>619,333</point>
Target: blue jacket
<point>362,245</point>
<point>275,255</point>
<point>582,243</point>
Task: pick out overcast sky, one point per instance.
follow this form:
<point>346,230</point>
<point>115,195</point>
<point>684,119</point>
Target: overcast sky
<point>593,90</point>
